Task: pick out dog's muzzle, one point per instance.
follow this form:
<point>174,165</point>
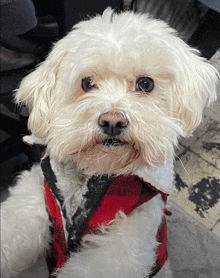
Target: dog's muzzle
<point>112,123</point>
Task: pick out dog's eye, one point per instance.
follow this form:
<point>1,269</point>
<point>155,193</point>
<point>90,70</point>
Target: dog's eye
<point>87,84</point>
<point>145,84</point>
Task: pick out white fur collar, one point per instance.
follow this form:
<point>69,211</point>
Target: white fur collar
<point>161,177</point>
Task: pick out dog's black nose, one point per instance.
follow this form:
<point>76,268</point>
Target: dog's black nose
<point>112,124</point>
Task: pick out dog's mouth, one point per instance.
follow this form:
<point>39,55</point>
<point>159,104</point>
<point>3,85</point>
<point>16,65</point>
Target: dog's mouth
<point>113,142</point>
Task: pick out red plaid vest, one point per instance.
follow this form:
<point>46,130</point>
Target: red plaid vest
<point>124,193</point>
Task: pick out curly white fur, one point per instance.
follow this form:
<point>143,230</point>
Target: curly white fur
<point>25,227</point>
<point>115,50</point>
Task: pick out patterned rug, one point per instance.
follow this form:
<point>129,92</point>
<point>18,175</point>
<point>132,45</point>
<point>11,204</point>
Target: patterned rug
<point>197,168</point>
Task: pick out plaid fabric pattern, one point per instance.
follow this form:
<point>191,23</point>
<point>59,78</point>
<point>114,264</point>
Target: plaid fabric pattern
<point>124,193</point>
<point>58,255</point>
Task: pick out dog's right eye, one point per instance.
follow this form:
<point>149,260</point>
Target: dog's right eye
<point>87,84</point>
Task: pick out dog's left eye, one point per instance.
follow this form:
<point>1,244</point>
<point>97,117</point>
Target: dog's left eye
<point>87,84</point>
<point>145,84</point>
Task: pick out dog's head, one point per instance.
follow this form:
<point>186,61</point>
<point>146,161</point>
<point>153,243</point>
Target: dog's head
<point>117,92</point>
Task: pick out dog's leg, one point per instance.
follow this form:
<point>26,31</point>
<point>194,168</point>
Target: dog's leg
<point>126,250</point>
<point>25,224</point>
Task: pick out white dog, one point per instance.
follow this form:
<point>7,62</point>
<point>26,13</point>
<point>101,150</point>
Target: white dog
<point>109,102</point>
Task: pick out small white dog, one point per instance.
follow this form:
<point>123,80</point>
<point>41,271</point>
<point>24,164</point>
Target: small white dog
<point>109,102</point>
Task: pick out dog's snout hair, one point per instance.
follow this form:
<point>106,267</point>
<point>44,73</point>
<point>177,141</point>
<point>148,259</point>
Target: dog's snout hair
<point>112,123</point>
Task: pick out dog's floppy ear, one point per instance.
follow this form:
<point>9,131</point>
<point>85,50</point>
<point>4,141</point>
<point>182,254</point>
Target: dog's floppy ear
<point>37,89</point>
<point>195,88</point>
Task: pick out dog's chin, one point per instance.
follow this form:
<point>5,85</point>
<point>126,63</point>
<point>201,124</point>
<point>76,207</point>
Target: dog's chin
<point>109,156</point>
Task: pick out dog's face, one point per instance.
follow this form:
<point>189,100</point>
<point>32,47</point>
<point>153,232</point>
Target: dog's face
<point>117,92</point>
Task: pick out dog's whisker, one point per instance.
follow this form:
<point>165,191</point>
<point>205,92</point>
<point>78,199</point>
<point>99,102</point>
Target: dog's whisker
<point>184,168</point>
